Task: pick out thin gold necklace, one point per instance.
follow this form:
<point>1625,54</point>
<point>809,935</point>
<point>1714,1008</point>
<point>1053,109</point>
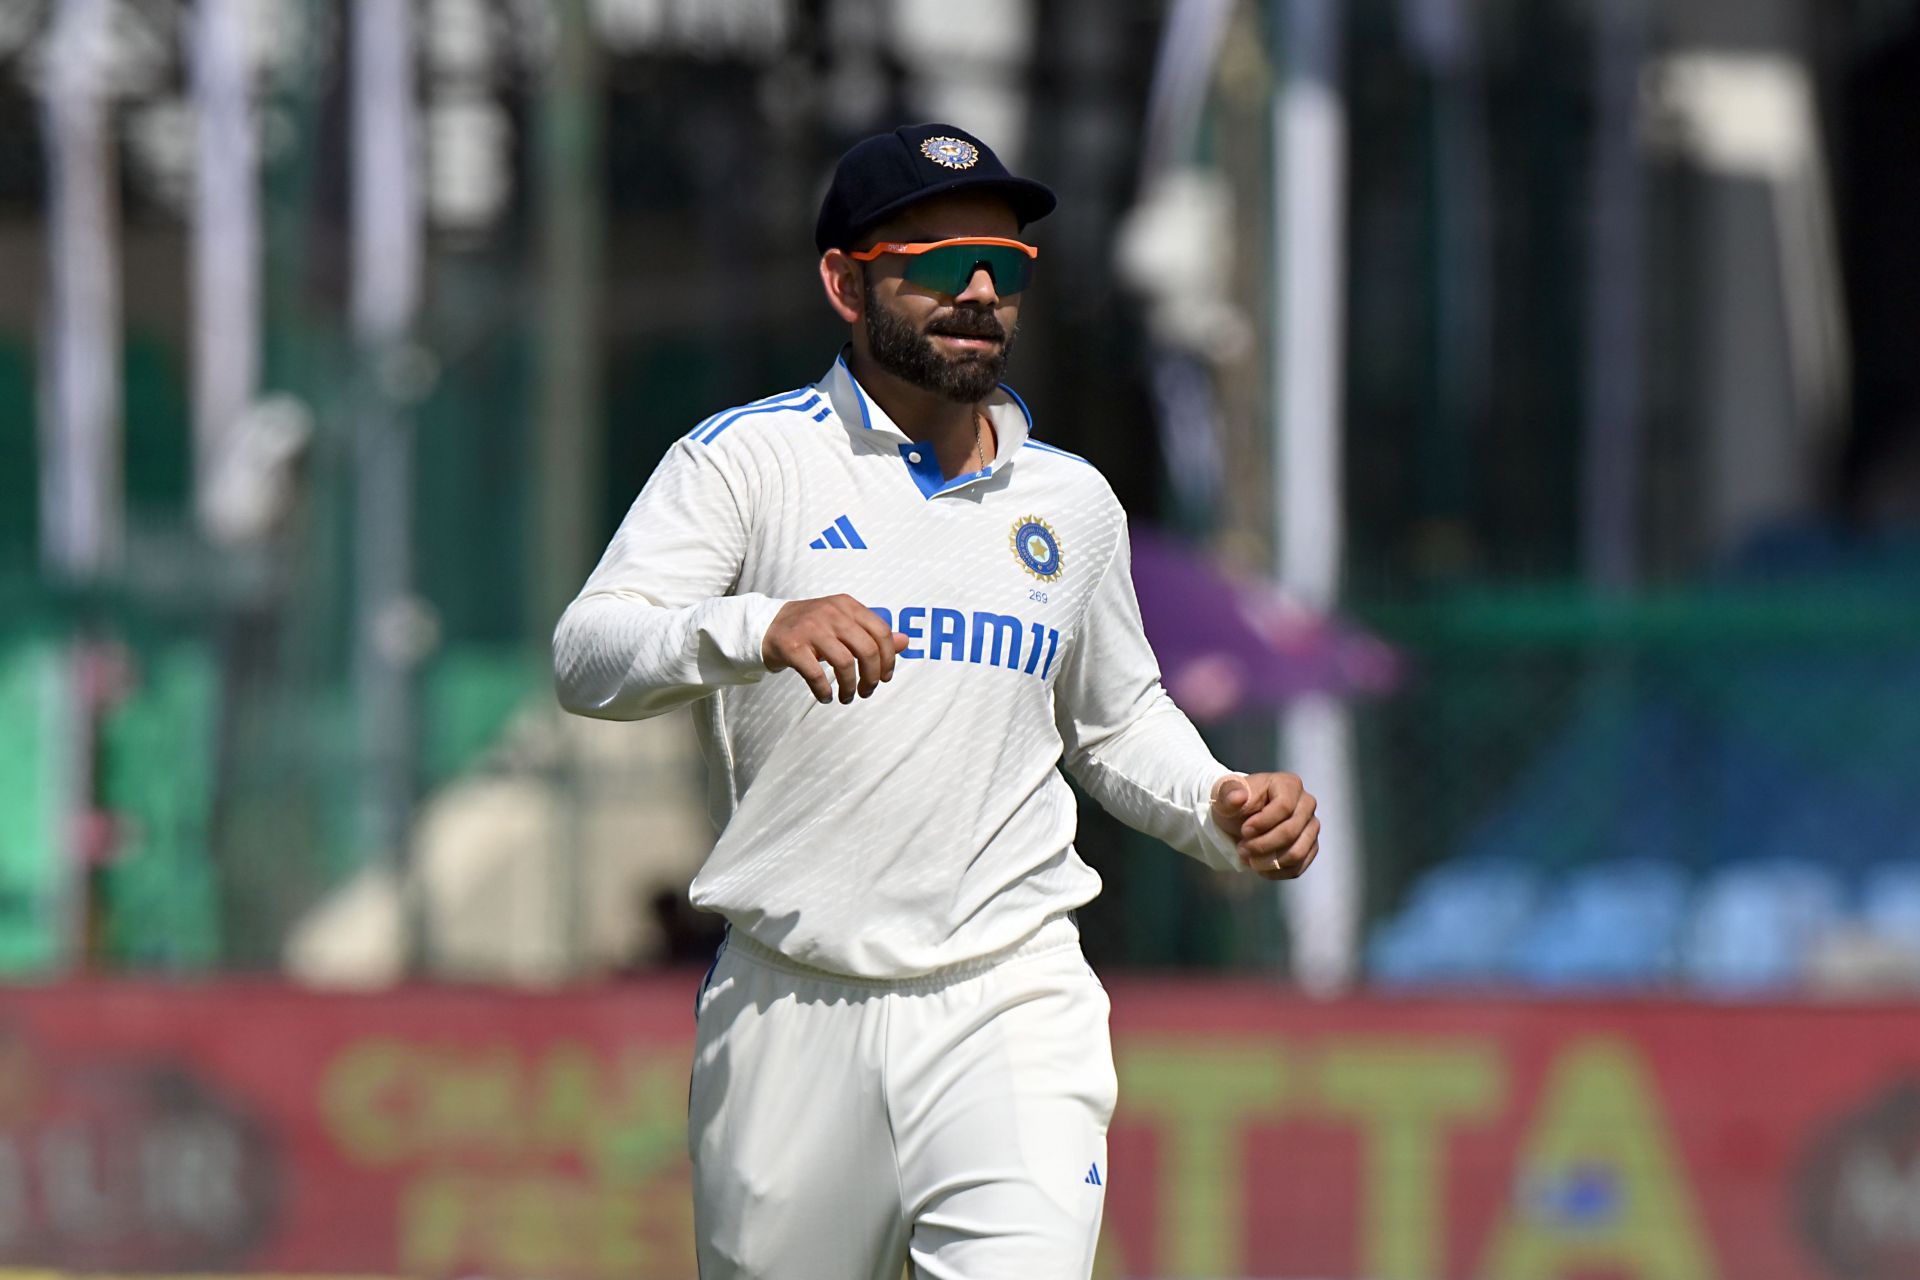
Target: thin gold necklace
<point>979,453</point>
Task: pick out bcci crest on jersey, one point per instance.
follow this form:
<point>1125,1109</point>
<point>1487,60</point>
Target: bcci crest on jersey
<point>1036,547</point>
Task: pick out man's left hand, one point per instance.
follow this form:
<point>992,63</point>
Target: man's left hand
<point>1270,817</point>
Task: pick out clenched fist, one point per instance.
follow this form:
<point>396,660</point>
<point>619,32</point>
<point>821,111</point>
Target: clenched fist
<point>837,633</point>
<point>1270,817</point>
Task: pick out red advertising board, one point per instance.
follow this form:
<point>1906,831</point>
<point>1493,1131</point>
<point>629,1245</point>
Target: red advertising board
<point>460,1132</point>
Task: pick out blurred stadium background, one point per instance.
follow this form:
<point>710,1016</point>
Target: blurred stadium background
<point>1531,384</point>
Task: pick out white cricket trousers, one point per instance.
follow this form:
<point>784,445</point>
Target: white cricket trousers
<point>840,1126</point>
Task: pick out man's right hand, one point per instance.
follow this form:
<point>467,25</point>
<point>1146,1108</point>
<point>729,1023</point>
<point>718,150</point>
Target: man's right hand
<point>837,633</point>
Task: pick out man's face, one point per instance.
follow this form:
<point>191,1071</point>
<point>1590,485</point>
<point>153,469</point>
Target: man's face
<point>954,345</point>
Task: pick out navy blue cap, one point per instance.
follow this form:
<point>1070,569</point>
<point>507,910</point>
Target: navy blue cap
<point>889,171</point>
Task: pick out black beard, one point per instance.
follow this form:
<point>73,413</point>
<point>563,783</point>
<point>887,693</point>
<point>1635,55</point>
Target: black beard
<point>909,355</point>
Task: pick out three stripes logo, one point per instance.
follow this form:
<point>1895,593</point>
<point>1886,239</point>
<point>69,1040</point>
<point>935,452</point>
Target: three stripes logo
<point>839,536</point>
<point>1093,1176</point>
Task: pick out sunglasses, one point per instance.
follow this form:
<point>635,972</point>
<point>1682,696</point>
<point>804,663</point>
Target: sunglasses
<point>947,266</point>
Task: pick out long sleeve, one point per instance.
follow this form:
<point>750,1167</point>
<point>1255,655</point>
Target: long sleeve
<point>655,626</point>
<point>1125,741</point>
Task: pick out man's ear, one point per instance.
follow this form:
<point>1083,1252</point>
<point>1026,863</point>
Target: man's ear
<point>840,276</point>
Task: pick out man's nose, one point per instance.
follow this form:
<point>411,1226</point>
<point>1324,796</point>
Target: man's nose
<point>979,289</point>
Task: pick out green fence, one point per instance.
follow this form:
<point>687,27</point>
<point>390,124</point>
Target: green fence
<point>37,764</point>
<point>1702,727</point>
<point>1553,730</point>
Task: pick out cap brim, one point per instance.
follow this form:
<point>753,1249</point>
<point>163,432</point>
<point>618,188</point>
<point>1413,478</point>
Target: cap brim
<point>1031,200</point>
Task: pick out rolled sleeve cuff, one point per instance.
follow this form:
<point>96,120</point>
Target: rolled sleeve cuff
<point>739,634</point>
<point>1217,848</point>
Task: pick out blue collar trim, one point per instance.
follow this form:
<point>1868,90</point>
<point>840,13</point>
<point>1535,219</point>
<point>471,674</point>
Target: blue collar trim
<point>1024,411</point>
<point>926,472</point>
<point>859,396</point>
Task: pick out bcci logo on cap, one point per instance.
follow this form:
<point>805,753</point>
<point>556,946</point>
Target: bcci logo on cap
<point>950,153</point>
<point>1036,547</point>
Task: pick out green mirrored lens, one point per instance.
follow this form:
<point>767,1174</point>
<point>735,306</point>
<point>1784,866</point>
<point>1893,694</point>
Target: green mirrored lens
<point>949,268</point>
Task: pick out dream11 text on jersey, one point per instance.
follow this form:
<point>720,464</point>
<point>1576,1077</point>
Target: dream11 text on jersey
<point>992,638</point>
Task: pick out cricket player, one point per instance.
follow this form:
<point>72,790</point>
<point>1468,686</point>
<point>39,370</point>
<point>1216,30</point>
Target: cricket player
<point>897,613</point>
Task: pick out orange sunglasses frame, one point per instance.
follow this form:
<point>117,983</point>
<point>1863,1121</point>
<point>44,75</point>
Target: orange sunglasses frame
<point>917,247</point>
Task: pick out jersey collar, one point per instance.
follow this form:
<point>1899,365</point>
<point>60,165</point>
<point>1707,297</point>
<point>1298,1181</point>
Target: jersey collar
<point>864,419</point>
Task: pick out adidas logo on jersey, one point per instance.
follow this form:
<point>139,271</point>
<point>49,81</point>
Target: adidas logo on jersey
<point>839,536</point>
<point>1093,1176</point>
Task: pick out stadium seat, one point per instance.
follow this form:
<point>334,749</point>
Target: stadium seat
<point>1890,903</point>
<point>1458,926</point>
<point>1611,924</point>
<point>1756,924</point>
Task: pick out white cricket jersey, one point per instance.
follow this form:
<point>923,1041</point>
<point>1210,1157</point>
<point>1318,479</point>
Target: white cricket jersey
<point>927,825</point>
